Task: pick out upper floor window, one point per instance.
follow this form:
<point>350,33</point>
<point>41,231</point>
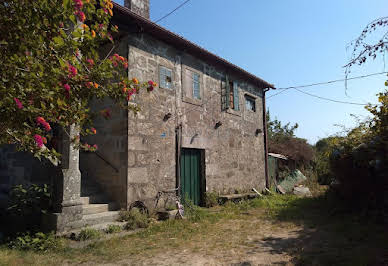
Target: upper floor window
<point>196,85</point>
<point>232,95</point>
<point>192,87</point>
<point>165,76</point>
<point>250,103</point>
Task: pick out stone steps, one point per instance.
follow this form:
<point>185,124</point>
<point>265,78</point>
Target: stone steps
<point>92,199</point>
<point>100,218</point>
<point>98,208</point>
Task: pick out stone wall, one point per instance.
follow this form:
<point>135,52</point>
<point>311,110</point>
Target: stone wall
<point>234,154</point>
<point>21,168</point>
<point>108,165</point>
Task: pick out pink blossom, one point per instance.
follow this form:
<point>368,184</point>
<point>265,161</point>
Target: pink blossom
<point>67,87</point>
<point>38,140</point>
<point>18,103</point>
<point>78,4</point>
<point>81,15</point>
<point>40,120</point>
<point>90,61</point>
<point>47,126</point>
<point>72,71</point>
<point>95,146</point>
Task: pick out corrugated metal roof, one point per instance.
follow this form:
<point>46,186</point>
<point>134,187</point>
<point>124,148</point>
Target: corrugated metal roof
<point>280,156</point>
<point>124,14</point>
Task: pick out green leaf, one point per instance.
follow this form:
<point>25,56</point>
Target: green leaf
<point>58,40</point>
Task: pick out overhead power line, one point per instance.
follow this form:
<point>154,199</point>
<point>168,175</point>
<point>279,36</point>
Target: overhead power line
<point>175,9</point>
<point>328,99</point>
<point>323,83</point>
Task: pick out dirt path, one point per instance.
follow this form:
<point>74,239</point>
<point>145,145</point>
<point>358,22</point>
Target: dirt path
<point>234,242</point>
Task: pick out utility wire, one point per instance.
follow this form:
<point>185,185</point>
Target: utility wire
<point>168,14</point>
<point>323,83</point>
<point>328,99</point>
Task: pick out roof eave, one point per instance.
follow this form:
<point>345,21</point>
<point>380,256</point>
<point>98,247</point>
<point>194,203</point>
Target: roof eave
<point>122,13</point>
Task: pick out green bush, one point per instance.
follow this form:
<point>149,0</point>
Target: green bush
<point>211,199</point>
<point>113,228</point>
<point>88,234</point>
<point>34,199</point>
<point>193,212</point>
<point>36,242</point>
<point>135,219</point>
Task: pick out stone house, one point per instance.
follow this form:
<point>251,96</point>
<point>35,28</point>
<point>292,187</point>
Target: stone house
<point>201,130</point>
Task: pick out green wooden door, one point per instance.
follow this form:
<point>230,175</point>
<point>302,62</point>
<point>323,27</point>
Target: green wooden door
<point>191,175</point>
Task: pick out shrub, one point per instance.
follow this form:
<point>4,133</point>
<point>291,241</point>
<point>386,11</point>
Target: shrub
<point>25,201</point>
<point>294,148</point>
<point>211,199</point>
<point>192,211</point>
<point>88,234</point>
<point>135,219</point>
<point>36,242</point>
<point>113,228</point>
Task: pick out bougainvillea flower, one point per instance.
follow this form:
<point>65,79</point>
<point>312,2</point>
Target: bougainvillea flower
<point>40,120</point>
<point>67,87</point>
<point>38,140</point>
<point>90,61</point>
<point>95,146</point>
<point>89,84</point>
<point>47,126</point>
<point>93,34</point>
<point>95,85</point>
<point>81,16</point>
<point>134,80</point>
<point>94,131</point>
<point>72,71</point>
<point>78,4</point>
<point>18,103</point>
<point>125,65</point>
<point>44,140</point>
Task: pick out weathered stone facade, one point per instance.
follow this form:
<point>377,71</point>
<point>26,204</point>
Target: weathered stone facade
<point>139,155</point>
<point>143,147</point>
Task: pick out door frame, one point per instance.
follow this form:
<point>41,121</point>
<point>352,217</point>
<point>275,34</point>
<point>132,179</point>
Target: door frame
<point>202,174</point>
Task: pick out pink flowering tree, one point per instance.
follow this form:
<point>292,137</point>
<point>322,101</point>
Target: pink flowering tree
<point>52,67</point>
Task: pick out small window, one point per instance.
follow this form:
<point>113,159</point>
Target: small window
<point>250,103</point>
<point>196,86</point>
<point>165,76</point>
<point>232,100</point>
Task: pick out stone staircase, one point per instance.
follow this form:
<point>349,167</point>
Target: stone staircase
<point>97,208</point>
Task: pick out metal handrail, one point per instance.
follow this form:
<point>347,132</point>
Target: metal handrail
<point>99,155</point>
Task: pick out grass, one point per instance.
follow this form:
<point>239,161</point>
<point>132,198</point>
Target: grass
<point>112,229</point>
<point>89,234</point>
<point>321,235</point>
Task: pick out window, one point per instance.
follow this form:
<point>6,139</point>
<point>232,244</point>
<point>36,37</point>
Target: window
<point>250,103</point>
<point>192,85</point>
<point>196,86</point>
<point>232,95</point>
<point>165,76</point>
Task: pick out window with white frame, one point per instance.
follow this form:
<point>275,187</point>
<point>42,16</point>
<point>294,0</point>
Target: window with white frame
<point>165,77</point>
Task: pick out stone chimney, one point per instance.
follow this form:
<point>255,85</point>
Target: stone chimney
<point>140,7</point>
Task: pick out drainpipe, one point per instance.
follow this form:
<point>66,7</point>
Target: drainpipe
<point>178,148</point>
<point>265,139</point>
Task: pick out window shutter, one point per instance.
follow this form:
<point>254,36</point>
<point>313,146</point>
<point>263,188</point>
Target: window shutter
<point>227,93</point>
<point>196,86</point>
<point>235,96</point>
